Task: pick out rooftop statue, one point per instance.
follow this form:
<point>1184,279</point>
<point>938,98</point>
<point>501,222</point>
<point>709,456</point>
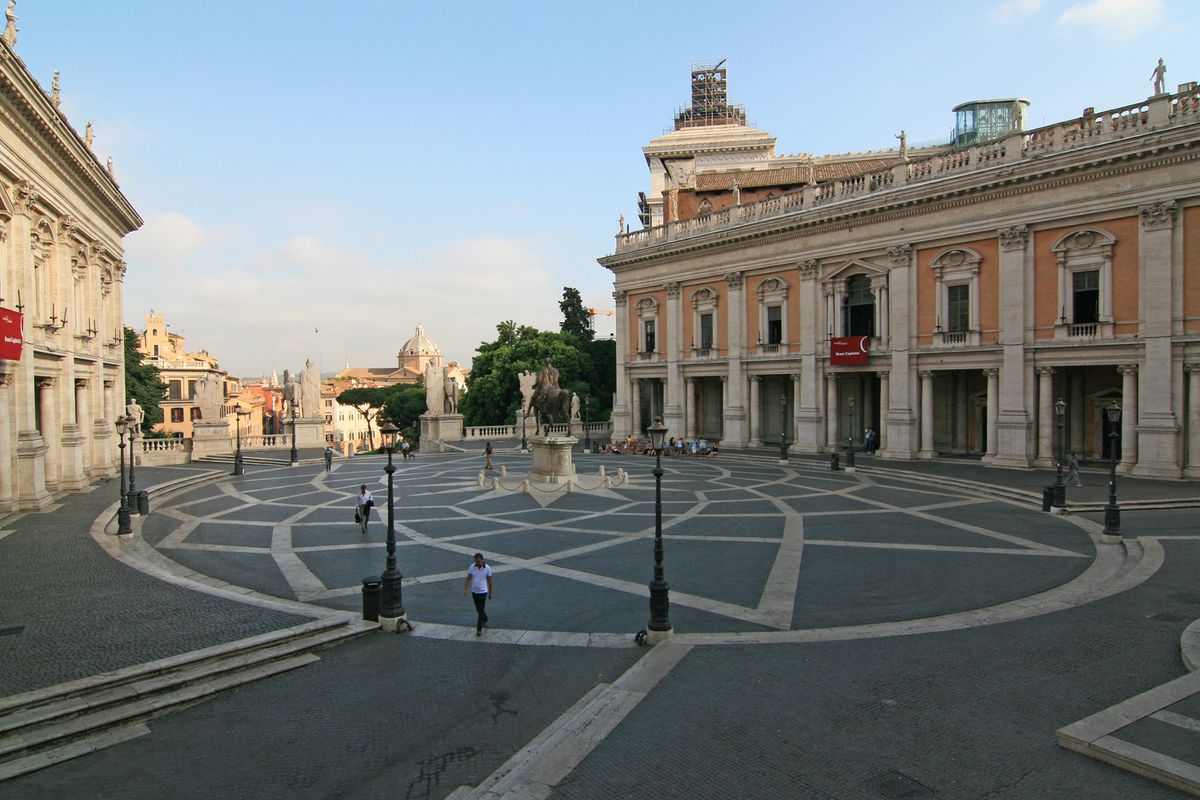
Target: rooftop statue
<point>1159,76</point>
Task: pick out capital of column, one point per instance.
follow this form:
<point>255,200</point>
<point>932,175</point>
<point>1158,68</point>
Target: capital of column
<point>108,384</point>
<point>25,197</point>
<point>5,379</point>
<point>734,280</point>
<point>795,376</point>
<point>883,374</point>
<point>45,383</point>
<point>1193,368</point>
<point>900,255</point>
<point>672,289</point>
<point>1157,216</point>
<point>620,297</point>
<point>992,372</point>
<point>754,378</point>
<point>1014,237</point>
<point>1044,371</point>
<point>925,374</point>
<point>1127,369</point>
<point>808,268</point>
<point>81,383</point>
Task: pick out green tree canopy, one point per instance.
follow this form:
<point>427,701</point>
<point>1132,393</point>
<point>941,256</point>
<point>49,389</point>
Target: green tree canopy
<point>404,404</point>
<point>142,383</point>
<point>576,321</point>
<point>368,401</point>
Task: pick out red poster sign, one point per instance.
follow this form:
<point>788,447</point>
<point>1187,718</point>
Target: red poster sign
<point>850,350</point>
<point>10,335</point>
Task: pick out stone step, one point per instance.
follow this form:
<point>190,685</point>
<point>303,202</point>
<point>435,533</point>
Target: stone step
<point>50,725</point>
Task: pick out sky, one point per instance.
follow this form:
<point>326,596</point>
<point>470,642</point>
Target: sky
<point>318,178</point>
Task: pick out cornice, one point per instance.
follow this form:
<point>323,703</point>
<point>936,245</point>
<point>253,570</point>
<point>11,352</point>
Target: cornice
<point>1001,181</point>
<point>45,129</point>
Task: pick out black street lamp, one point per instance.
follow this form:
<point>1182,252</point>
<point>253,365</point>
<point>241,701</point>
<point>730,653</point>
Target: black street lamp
<point>238,467</point>
<point>132,496</point>
<point>295,455</point>
<point>1060,488</point>
<point>587,436</point>
<point>783,404</point>
<point>1112,511</point>
<point>850,439</point>
<point>659,627</point>
<point>524,442</point>
<point>123,523</point>
<point>391,610</point>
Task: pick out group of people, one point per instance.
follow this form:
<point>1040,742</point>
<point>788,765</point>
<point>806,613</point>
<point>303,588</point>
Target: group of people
<point>698,447</point>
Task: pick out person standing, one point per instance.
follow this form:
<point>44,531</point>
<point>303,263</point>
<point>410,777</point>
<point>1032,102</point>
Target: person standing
<point>328,458</point>
<point>488,452</point>
<point>869,441</point>
<point>479,584</point>
<point>1073,470</point>
<point>363,510</point>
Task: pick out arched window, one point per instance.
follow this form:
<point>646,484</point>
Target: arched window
<point>858,307</point>
<point>704,208</point>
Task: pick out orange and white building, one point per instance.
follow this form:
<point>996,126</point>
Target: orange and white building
<point>986,278</point>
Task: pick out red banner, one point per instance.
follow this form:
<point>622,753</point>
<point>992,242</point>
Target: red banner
<point>849,350</point>
<point>10,335</point>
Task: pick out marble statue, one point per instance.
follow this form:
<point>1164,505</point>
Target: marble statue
<point>290,392</point>
<point>1159,76</point>
<point>109,167</point>
<point>55,90</point>
<point>903,137</point>
<point>435,386</point>
<point>10,27</point>
<point>89,135</point>
<point>547,377</point>
<point>621,225</point>
<point>737,192</point>
<point>135,412</point>
<point>574,407</point>
<point>528,382</point>
<point>210,398</point>
<point>449,393</point>
<point>310,390</point>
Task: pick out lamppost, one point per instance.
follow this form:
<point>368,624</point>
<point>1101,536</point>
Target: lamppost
<point>295,456</point>
<point>524,443</point>
<point>132,496</point>
<point>1060,488</point>
<point>659,627</point>
<point>783,453</point>
<point>391,612</point>
<point>123,524</point>
<point>1112,511</point>
<point>587,436</point>
<point>238,467</point>
<point>850,439</point>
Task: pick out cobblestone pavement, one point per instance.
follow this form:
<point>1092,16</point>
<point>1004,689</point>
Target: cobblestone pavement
<point>841,636</point>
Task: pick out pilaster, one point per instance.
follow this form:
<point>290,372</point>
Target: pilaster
<point>735,412</point>
<point>622,424</point>
<point>672,400</point>
<point>1158,429</point>
<point>1012,419</point>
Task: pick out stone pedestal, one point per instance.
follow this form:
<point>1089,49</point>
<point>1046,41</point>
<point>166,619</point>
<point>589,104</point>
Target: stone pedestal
<point>441,428</point>
<point>310,432</point>
<point>552,459</point>
<point>210,439</point>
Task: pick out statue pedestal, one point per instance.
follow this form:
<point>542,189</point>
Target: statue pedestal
<point>552,459</point>
<point>310,432</point>
<point>441,428</point>
<point>211,439</point>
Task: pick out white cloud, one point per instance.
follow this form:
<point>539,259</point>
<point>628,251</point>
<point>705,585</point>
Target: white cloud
<point>1114,19</point>
<point>1008,11</point>
<point>166,239</point>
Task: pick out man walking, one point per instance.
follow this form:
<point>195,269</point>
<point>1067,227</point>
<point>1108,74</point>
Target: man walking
<point>1073,470</point>
<point>479,584</point>
<point>328,458</point>
<point>488,452</point>
<point>363,510</point>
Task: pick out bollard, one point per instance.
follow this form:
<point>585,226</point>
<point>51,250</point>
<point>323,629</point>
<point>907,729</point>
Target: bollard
<point>143,503</point>
<point>833,462</point>
<point>372,589</point>
<point>1047,497</point>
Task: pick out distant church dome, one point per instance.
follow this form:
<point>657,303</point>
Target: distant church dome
<point>420,345</point>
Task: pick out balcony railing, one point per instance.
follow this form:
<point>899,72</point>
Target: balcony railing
<point>1085,330</point>
<point>1161,112</point>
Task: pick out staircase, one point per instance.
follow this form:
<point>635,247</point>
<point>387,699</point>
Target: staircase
<point>47,726</point>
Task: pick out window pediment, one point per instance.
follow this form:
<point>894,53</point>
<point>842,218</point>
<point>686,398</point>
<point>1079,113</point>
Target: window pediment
<point>773,288</point>
<point>704,296</point>
<point>956,259</point>
<point>1085,241</point>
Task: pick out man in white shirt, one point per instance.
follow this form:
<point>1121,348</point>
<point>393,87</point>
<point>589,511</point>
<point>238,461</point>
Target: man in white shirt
<point>479,584</point>
<point>364,502</point>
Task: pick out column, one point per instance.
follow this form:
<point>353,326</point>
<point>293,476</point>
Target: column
<point>795,410</point>
<point>1129,416</point>
<point>1045,451</point>
<point>926,413</point>
<point>755,412</point>
<point>884,388</point>
<point>808,435</point>
<point>831,411</point>
<point>51,429</point>
<point>1078,414</point>
<point>961,438</point>
<point>635,407</point>
<point>690,428</point>
<point>621,418</point>
<point>724,401</point>
<point>993,410</point>
<point>1014,409</point>
<point>8,484</point>
<point>672,398</point>
<point>1193,420</point>
<point>735,412</point>
<point>901,402</point>
<point>1157,428</point>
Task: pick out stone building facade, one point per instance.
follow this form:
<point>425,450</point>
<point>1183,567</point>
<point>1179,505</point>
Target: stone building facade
<point>987,282</point>
<point>62,221</point>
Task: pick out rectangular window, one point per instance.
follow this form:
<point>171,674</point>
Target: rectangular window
<point>175,390</point>
<point>774,324</point>
<point>706,331</point>
<point>196,414</point>
<point>958,308</point>
<point>649,336</point>
<point>191,390</point>
<point>176,415</point>
<point>1086,296</point>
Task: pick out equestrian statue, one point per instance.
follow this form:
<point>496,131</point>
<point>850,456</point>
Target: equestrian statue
<point>549,400</point>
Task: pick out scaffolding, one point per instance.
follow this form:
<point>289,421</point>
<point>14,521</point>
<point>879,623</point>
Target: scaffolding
<point>710,99</point>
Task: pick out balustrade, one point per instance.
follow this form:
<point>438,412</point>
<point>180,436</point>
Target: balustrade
<point>1083,330</point>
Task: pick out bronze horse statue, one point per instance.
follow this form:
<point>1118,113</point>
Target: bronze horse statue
<point>548,402</point>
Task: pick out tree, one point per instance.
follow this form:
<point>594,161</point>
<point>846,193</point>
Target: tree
<point>577,321</point>
<point>368,401</point>
<point>404,404</point>
<point>142,383</point>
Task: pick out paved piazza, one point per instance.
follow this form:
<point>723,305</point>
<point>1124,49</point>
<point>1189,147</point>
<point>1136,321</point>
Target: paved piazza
<point>755,552</point>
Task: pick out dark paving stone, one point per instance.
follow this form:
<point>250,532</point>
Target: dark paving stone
<point>263,513</point>
<point>256,571</point>
<point>731,525</point>
<point>457,526</point>
<point>1034,525</point>
<point>903,496</point>
<point>332,515</point>
<point>1162,737</point>
<point>895,528</point>
<point>531,543</point>
<point>341,568</point>
<point>214,505</point>
<point>231,533</point>
<point>827,503</point>
<point>716,494</point>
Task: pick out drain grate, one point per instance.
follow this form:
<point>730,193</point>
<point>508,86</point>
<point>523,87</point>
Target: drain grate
<point>12,630</point>
<point>893,785</point>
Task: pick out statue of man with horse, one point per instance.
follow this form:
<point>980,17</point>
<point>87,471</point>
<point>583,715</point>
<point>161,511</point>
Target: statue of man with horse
<point>549,400</point>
